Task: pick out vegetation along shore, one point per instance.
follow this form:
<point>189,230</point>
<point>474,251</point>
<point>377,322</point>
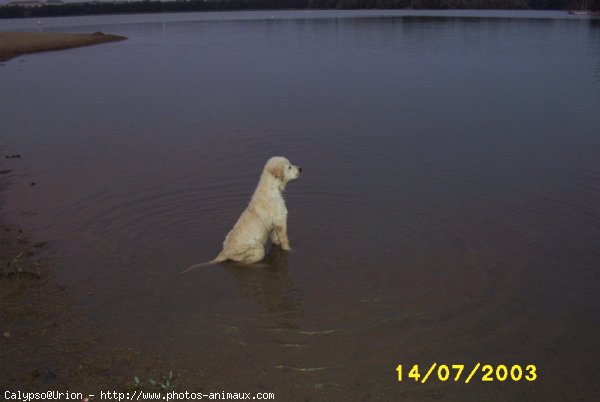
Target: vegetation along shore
<point>46,9</point>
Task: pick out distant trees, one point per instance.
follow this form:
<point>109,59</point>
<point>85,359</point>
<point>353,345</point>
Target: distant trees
<point>147,6</point>
<point>214,5</point>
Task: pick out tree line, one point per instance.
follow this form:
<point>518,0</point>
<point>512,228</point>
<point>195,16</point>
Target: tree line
<point>149,6</point>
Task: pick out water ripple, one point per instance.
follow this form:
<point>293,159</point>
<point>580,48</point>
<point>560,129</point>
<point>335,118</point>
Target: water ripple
<point>144,215</point>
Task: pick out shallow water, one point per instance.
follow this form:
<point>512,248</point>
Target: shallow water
<point>448,210</point>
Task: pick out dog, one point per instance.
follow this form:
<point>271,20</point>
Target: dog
<point>264,218</point>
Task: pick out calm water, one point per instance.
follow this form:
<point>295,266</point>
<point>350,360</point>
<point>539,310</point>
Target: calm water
<point>448,211</point>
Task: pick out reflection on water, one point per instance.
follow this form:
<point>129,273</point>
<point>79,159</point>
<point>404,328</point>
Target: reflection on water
<point>269,285</point>
<point>449,211</point>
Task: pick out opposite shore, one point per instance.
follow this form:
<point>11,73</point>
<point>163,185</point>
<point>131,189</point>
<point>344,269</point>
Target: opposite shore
<point>13,44</point>
<point>53,9</point>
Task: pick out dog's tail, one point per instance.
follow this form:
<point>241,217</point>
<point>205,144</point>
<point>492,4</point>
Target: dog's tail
<point>219,258</point>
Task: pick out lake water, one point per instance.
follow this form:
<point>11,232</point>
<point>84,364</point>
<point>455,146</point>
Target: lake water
<point>448,210</point>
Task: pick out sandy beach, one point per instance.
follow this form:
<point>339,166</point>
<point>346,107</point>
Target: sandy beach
<point>45,342</point>
<point>13,44</point>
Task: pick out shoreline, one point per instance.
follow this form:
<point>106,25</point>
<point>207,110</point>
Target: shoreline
<point>13,44</point>
<point>46,340</point>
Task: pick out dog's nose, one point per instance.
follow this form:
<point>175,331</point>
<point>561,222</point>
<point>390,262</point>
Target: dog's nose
<point>299,169</point>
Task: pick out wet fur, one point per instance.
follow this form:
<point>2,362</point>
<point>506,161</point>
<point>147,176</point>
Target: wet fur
<point>264,218</point>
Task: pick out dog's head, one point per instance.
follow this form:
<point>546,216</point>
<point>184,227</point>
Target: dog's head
<point>281,168</point>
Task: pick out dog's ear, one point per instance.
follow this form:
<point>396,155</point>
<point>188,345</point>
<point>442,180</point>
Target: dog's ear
<point>277,171</point>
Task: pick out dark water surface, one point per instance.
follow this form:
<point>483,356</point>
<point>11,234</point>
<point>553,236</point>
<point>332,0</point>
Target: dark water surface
<point>448,211</point>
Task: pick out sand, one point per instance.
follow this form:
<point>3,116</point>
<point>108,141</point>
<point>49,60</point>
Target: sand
<point>46,342</point>
<point>13,44</point>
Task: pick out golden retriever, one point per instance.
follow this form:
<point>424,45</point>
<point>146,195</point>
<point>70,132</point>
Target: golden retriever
<point>265,217</point>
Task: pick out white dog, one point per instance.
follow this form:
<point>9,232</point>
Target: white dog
<point>265,216</point>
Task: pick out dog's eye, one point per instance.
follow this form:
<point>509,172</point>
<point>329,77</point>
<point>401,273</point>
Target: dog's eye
<point>289,167</point>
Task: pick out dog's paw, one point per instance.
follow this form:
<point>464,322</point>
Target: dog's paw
<point>286,248</point>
